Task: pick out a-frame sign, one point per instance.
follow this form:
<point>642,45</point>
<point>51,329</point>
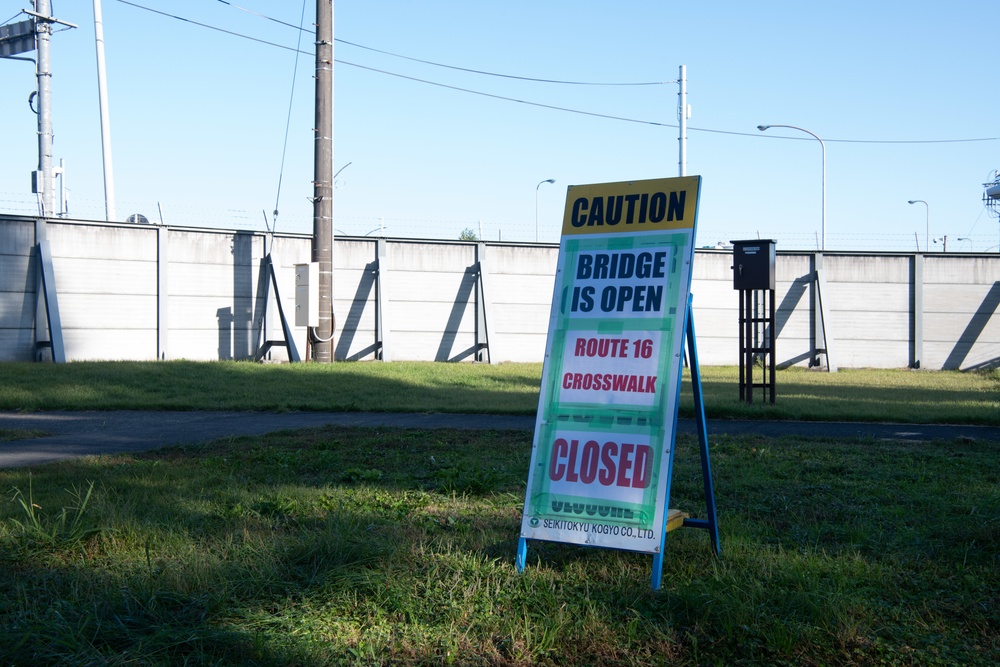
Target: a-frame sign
<point>603,449</point>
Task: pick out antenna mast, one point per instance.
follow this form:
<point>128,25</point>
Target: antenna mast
<point>102,91</point>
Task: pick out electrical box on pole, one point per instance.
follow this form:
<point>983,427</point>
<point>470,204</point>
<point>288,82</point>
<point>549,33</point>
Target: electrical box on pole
<point>753,264</point>
<point>307,295</point>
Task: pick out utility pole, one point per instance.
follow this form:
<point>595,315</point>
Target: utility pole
<point>322,242</point>
<point>683,113</point>
<point>44,182</point>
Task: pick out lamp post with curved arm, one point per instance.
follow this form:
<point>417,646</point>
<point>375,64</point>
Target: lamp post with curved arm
<point>547,180</point>
<point>763,128</point>
<point>927,238</point>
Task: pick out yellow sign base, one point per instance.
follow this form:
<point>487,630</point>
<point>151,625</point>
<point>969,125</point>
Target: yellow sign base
<point>675,519</point>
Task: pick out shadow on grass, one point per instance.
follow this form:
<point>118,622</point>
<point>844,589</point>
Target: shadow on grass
<point>184,385</point>
<point>380,546</point>
<point>212,553</point>
<point>896,396</point>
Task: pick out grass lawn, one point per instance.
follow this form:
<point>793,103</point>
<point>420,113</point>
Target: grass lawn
<point>396,547</point>
<point>343,546</point>
<point>849,395</point>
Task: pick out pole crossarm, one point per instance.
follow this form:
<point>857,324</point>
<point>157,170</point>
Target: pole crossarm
<point>49,19</point>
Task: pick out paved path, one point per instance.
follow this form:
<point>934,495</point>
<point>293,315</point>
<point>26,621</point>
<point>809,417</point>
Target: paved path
<point>88,432</point>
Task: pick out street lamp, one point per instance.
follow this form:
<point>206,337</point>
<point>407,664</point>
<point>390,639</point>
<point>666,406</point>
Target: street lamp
<point>927,238</point>
<point>547,180</point>
<point>762,128</point>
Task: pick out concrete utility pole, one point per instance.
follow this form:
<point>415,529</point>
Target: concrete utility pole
<point>322,242</point>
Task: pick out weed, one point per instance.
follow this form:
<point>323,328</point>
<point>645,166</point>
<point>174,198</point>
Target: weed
<point>67,529</point>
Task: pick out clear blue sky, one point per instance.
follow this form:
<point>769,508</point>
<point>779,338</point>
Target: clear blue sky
<point>198,116</point>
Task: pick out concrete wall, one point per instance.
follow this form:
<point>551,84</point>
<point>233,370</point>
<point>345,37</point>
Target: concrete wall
<point>961,317</point>
<point>17,290</point>
<point>521,280</point>
<point>146,292</point>
<point>106,282</point>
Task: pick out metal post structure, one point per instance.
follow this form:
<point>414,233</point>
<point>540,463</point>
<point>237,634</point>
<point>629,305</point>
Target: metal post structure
<point>102,91</point>
<point>43,73</point>
<point>754,277</point>
<point>764,128</point>
<point>927,237</point>
<point>322,241</point>
<point>44,178</point>
<point>991,197</point>
<point>43,181</point>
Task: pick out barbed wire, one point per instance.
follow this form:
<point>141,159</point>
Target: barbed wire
<point>435,228</point>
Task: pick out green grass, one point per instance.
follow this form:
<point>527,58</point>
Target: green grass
<point>850,395</point>
<point>183,385</point>
<point>395,547</point>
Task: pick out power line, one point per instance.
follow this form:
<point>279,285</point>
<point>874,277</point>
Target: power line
<point>505,76</point>
<point>453,67</point>
<point>861,141</point>
<point>656,123</point>
<point>212,27</point>
<point>402,76</point>
<point>501,97</point>
<point>288,122</point>
<point>537,104</point>
<point>264,16</point>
